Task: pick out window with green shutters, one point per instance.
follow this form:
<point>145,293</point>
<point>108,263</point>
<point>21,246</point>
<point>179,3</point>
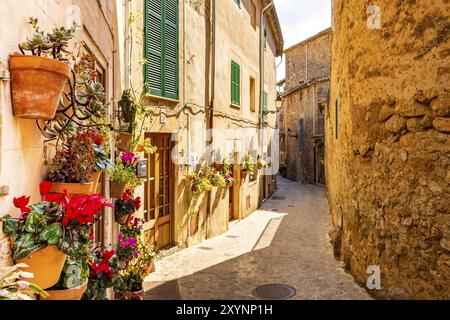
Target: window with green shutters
<point>161,47</point>
<point>265,99</point>
<point>235,83</point>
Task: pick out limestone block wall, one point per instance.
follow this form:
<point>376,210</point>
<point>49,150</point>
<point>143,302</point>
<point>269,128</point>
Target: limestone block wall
<point>388,144</point>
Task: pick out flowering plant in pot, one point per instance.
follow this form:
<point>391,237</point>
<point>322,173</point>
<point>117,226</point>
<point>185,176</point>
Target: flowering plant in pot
<point>46,232</point>
<point>73,164</point>
<point>124,174</point>
<point>102,160</point>
<point>13,288</point>
<point>126,206</point>
<point>218,180</point>
<point>248,166</point>
<point>260,162</point>
<point>127,249</point>
<point>103,274</point>
<point>38,80</point>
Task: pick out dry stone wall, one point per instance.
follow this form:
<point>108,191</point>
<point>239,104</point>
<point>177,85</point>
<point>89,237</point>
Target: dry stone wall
<point>388,144</point>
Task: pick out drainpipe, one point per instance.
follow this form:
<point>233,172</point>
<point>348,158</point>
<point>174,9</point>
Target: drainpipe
<point>210,112</point>
<point>127,46</point>
<point>261,68</point>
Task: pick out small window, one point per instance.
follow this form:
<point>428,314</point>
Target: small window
<point>238,2</point>
<point>252,94</point>
<point>253,14</point>
<point>235,84</point>
<point>301,135</point>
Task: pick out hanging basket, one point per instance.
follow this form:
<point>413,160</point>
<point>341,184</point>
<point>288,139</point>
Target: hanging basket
<point>125,141</point>
<point>46,265</point>
<point>123,220</point>
<point>116,189</point>
<point>36,85</point>
<point>244,175</point>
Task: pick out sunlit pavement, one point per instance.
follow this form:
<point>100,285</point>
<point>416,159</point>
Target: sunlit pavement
<point>285,242</point>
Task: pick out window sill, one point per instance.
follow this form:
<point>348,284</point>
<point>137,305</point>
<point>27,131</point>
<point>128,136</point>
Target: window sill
<point>160,100</point>
<point>235,106</point>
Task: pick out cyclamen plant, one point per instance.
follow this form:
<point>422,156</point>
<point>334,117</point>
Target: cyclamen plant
<point>127,248</point>
<point>127,204</point>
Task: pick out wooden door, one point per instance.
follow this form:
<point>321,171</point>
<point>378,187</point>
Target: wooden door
<point>159,192</point>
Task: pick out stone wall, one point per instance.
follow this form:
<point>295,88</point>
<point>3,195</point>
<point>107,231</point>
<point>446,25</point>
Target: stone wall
<point>306,63</point>
<point>388,144</point>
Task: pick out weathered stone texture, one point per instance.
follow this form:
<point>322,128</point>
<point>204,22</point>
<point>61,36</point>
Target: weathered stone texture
<point>388,163</point>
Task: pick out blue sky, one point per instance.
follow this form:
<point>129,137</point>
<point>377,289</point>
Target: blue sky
<point>301,19</point>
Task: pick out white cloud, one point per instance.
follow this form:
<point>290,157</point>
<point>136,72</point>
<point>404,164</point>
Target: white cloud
<point>301,19</point>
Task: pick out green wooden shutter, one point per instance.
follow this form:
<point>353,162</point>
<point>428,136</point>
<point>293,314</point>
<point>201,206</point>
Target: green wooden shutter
<point>235,83</point>
<point>171,49</point>
<point>161,47</point>
<point>153,47</point>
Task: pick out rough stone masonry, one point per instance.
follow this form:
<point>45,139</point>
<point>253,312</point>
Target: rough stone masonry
<point>388,144</point>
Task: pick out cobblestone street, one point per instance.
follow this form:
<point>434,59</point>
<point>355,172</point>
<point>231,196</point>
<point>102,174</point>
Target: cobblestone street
<point>285,242</point>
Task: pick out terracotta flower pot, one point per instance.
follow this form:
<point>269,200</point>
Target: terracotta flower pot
<point>95,180</point>
<point>244,175</point>
<point>134,295</point>
<point>123,219</point>
<point>36,85</point>
<point>72,188</point>
<point>67,294</point>
<point>46,264</point>
<point>139,148</point>
<point>125,141</point>
<point>219,166</point>
<point>116,189</point>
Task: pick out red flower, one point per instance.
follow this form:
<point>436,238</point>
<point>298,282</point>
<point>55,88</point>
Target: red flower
<point>22,203</point>
<point>45,187</point>
<point>84,208</point>
<point>99,141</point>
<point>137,203</point>
<point>36,21</point>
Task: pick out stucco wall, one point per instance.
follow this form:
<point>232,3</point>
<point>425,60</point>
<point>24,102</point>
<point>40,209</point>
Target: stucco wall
<point>22,159</point>
<point>388,166</point>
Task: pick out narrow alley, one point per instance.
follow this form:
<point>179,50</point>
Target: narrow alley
<point>285,242</point>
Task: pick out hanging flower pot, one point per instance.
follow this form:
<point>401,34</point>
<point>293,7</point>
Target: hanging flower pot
<point>67,294</point>
<point>36,85</point>
<point>135,295</point>
<point>219,166</point>
<point>139,148</point>
<point>46,265</point>
<point>72,188</point>
<point>244,174</point>
<point>116,189</point>
<point>125,141</point>
<point>123,220</point>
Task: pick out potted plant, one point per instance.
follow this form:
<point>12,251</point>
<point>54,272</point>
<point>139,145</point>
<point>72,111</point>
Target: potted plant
<point>49,231</point>
<point>126,250</point>
<point>127,117</point>
<point>73,281</point>
<point>228,179</point>
<point>73,164</point>
<point>126,206</point>
<point>124,175</point>
<point>13,287</point>
<point>147,147</point>
<point>248,166</point>
<point>134,289</point>
<point>102,161</point>
<point>103,274</point>
<point>261,163</point>
<point>38,80</point>
<point>218,180</point>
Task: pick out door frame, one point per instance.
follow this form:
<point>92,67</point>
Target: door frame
<point>153,224</point>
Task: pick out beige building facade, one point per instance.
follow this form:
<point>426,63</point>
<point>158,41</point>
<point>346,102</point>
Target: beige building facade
<point>219,44</point>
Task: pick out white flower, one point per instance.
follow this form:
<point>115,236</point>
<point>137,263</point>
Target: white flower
<point>27,275</point>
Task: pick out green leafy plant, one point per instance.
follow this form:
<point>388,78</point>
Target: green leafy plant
<point>52,44</point>
<point>76,159</point>
<point>124,174</point>
<point>148,147</point>
<point>38,226</point>
<point>260,162</point>
<point>248,164</point>
<point>127,204</point>
<point>218,180</point>
<point>13,288</point>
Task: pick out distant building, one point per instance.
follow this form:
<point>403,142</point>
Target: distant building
<point>307,86</point>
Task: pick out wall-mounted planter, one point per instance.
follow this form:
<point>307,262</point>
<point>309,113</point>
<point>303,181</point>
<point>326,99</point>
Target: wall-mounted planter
<point>116,189</point>
<point>125,141</point>
<point>244,175</point>
<point>67,294</point>
<point>123,220</point>
<point>95,180</point>
<point>46,265</point>
<point>36,85</point>
<point>72,188</point>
